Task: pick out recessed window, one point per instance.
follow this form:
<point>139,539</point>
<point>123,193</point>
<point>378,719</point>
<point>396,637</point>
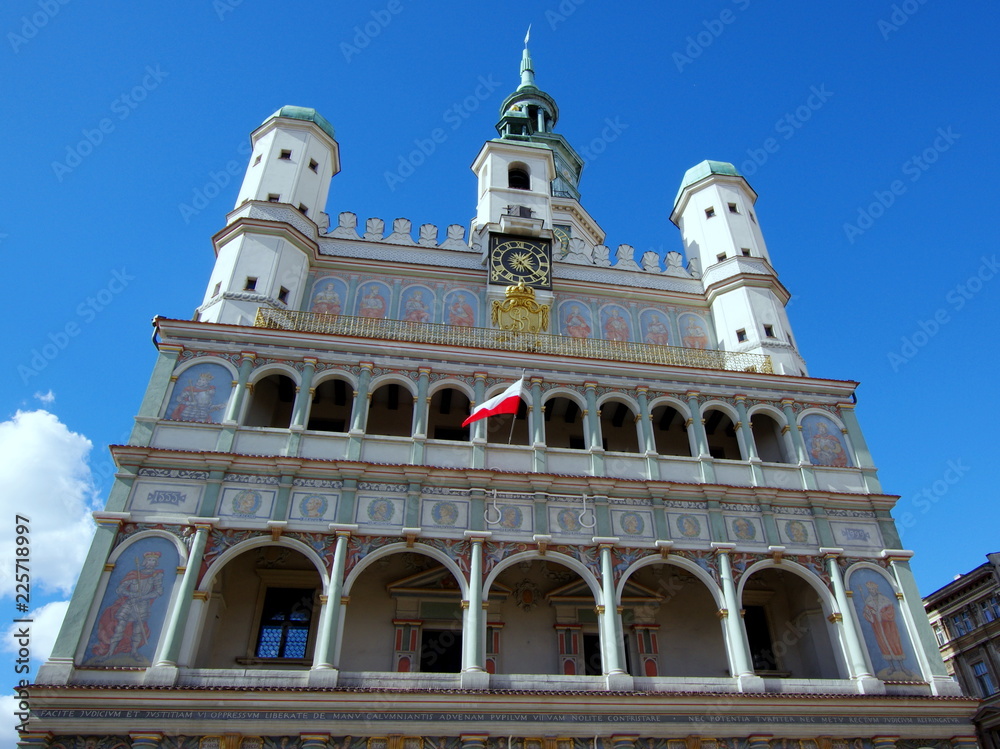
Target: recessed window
<point>518,178</point>
<point>284,623</point>
<point>314,165</point>
<point>251,284</point>
<point>733,208</point>
<point>720,257</point>
<point>257,160</point>
<point>217,289</point>
<point>985,679</point>
<point>752,218</point>
<point>285,155</point>
<point>741,335</point>
<point>272,198</point>
<point>709,212</point>
<point>283,295</point>
<point>769,331</point>
<point>302,209</point>
<point>745,251</point>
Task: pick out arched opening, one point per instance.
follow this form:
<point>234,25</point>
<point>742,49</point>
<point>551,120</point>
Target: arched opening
<point>391,411</point>
<point>786,627</point>
<point>541,614</point>
<point>263,611</point>
<point>671,624</point>
<point>619,428</point>
<point>271,402</point>
<point>498,428</point>
<point>564,424</point>
<point>721,433</point>
<point>670,431</point>
<point>770,442</point>
<point>449,407</point>
<point>331,407</point>
<point>405,614</point>
<point>518,177</point>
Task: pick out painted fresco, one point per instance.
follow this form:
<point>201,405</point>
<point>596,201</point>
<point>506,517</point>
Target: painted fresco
<point>460,308</point>
<point>134,606</point>
<point>824,442</point>
<point>446,513</point>
<point>631,523</point>
<point>883,627</point>
<point>795,531</point>
<point>200,394</point>
<point>615,323</point>
<point>575,320</point>
<point>245,503</point>
<point>329,296</point>
<point>694,330</point>
<point>686,525</point>
<point>742,529</point>
<point>655,327</point>
<point>156,496</point>
<point>372,300</point>
<point>505,517</point>
<point>380,511</point>
<point>569,520</point>
<point>417,304</point>
<point>312,507</point>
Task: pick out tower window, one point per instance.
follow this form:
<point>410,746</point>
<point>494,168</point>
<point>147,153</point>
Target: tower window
<point>314,165</point>
<point>769,331</point>
<point>284,623</point>
<point>710,212</point>
<point>217,289</point>
<point>745,251</point>
<point>283,295</point>
<point>720,257</point>
<point>251,284</point>
<point>302,209</point>
<point>733,208</point>
<point>285,155</point>
<point>752,218</point>
<point>741,335</point>
<point>257,160</point>
<point>518,179</point>
<point>272,198</point>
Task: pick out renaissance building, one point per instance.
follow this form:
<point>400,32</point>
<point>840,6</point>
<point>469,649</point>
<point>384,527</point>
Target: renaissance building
<point>965,617</point>
<point>680,540</point>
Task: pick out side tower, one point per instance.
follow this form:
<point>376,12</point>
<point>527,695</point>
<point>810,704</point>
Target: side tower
<point>714,209</point>
<point>295,154</point>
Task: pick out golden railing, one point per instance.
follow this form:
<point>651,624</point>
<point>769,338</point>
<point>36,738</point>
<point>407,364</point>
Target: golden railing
<point>507,340</point>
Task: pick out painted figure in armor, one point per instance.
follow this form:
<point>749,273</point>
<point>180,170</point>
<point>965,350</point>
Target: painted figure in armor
<point>195,401</point>
<point>123,626</point>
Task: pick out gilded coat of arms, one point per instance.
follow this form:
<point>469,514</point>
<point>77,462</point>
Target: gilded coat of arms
<point>520,312</point>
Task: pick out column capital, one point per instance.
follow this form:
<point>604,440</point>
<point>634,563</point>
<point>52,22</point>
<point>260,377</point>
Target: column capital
<point>589,385</point>
<point>692,394</point>
<point>536,380</point>
<point>367,365</point>
<point>145,740</point>
<point>896,555</point>
<point>424,370</point>
<point>740,397</point>
<point>203,523</point>
<point>606,542</point>
<point>168,348</point>
<point>787,401</point>
<point>720,547</point>
<point>831,552</point>
<point>478,536</point>
<point>342,529</point>
<point>111,519</point>
<point>642,389</point>
<point>479,375</point>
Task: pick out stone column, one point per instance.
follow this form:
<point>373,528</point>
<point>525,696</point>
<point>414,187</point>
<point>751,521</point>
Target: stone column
<point>478,432</point>
<point>884,742</point>
<point>645,419</point>
<point>359,412</point>
<point>745,431</point>
<point>472,637</point>
<point>624,740</point>
<point>853,638</point>
<point>698,438</point>
<point>609,630</point>
<point>242,386</point>
<point>329,618</point>
<point>473,740</point>
<point>152,401</point>
<point>173,632</point>
<point>739,654</point>
<point>805,465</point>
<point>759,741</point>
<point>536,425</point>
<point>304,394</point>
<point>146,740</point>
<point>421,407</point>
<point>314,741</point>
<point>592,425</point>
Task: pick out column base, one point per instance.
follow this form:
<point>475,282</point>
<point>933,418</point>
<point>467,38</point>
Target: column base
<point>323,677</point>
<point>619,681</point>
<point>748,683</point>
<point>945,686</point>
<point>55,671</point>
<point>475,680</point>
<point>161,675</point>
<point>870,685</point>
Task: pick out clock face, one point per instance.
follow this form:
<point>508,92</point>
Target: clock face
<point>562,237</point>
<point>516,259</point>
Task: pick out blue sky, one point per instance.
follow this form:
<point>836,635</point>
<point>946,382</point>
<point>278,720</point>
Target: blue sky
<point>867,128</point>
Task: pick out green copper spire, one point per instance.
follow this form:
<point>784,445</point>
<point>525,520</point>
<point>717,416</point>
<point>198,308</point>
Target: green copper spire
<point>527,70</point>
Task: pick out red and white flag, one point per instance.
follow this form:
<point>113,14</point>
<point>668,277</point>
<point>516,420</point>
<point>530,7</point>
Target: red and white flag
<point>505,403</point>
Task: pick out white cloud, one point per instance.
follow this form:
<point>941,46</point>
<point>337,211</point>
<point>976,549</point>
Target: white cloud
<point>45,477</point>
<point>45,624</point>
<point>46,398</point>
<point>8,722</point>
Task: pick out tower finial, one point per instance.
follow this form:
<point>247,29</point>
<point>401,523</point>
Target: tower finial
<point>527,71</point>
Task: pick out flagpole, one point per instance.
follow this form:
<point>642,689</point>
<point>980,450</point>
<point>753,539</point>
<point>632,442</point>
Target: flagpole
<point>510,436</point>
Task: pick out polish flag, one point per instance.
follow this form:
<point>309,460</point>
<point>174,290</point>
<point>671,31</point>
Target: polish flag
<point>505,403</point>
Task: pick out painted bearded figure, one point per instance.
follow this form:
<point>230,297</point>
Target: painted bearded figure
<point>880,612</point>
<point>123,627</point>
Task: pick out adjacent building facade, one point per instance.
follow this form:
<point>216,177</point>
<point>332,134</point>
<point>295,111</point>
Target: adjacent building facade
<point>965,617</point>
<point>679,542</point>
